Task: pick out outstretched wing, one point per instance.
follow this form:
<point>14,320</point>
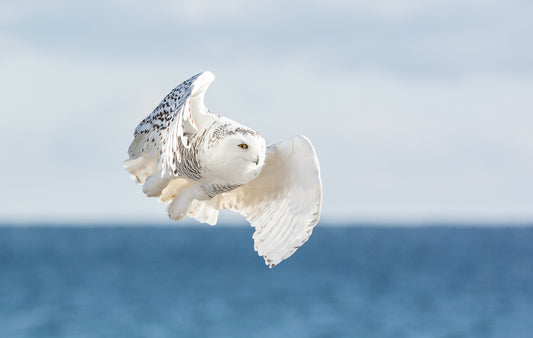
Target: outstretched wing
<point>283,203</point>
<point>181,113</point>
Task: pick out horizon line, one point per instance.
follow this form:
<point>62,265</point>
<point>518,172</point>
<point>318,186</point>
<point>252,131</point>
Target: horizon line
<point>243,223</point>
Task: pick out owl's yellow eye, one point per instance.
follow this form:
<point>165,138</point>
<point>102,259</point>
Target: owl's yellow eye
<point>243,146</point>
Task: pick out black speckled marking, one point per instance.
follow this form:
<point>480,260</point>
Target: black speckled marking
<point>225,130</point>
<point>162,116</point>
<point>190,166</point>
<point>215,189</point>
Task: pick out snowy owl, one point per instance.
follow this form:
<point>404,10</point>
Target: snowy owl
<point>200,162</point>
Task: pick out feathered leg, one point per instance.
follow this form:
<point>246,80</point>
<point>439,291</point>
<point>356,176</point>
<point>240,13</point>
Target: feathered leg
<point>154,185</point>
<point>177,209</point>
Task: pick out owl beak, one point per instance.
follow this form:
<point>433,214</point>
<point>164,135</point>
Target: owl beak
<point>256,160</point>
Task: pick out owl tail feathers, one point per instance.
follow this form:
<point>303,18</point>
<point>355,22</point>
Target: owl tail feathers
<point>204,211</point>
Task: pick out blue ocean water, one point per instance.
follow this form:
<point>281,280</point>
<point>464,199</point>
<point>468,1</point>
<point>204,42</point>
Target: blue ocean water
<point>208,282</point>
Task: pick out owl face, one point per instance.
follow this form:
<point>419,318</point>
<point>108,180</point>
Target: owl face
<point>237,158</point>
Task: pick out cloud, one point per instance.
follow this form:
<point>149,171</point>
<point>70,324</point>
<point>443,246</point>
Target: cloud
<point>445,39</point>
<point>411,115</point>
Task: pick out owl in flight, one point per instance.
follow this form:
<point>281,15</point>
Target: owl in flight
<point>199,162</point>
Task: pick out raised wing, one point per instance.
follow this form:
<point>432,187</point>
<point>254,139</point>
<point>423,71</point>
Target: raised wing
<point>181,113</point>
<point>283,203</point>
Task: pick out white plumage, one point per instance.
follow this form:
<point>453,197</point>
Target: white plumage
<point>200,162</point>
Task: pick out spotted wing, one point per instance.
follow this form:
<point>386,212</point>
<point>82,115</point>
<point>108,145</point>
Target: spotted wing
<point>181,113</point>
<point>283,203</point>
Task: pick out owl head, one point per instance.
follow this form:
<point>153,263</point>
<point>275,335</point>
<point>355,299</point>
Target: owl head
<point>236,157</point>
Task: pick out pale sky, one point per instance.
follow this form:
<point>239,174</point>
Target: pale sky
<point>418,110</point>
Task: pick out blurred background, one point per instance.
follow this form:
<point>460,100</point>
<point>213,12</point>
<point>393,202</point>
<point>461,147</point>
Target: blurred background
<point>421,113</point>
